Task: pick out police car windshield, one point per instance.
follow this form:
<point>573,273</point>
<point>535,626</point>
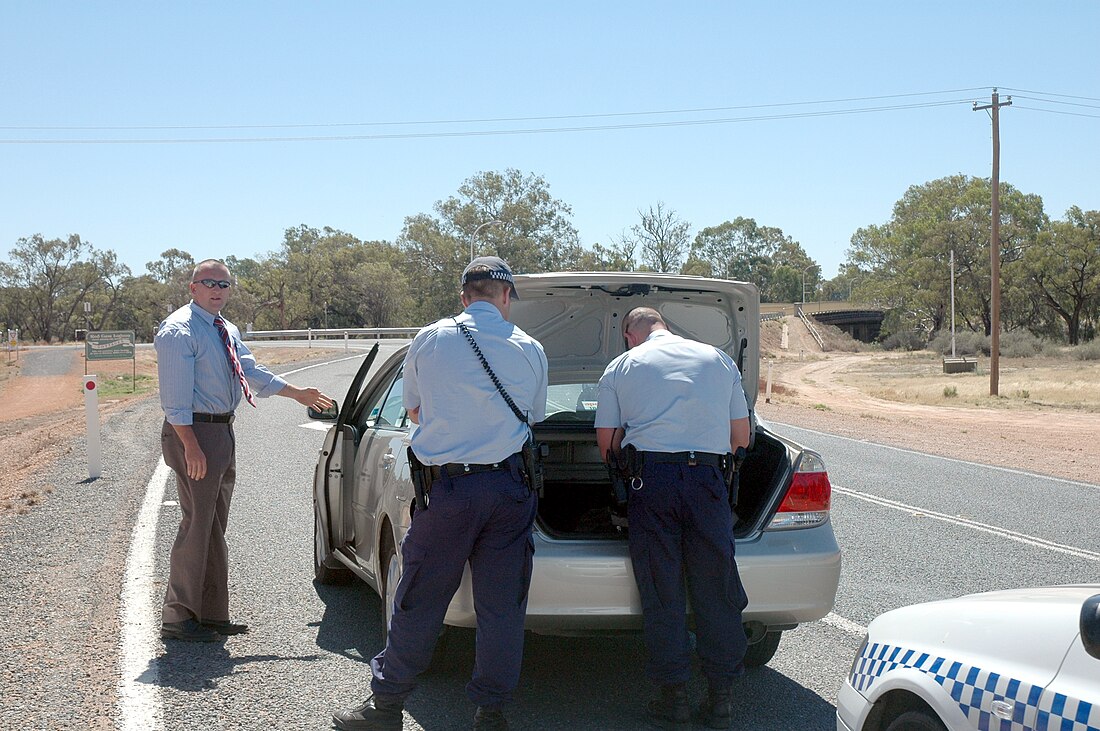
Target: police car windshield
<point>571,402</point>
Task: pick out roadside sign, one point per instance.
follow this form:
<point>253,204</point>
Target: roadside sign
<point>109,345</point>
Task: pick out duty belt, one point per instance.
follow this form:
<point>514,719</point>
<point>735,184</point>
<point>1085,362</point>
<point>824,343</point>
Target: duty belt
<point>458,469</point>
<point>214,418</point>
<point>689,458</point>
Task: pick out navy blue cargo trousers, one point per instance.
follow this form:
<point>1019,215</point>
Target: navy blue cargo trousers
<point>681,527</point>
<point>484,518</point>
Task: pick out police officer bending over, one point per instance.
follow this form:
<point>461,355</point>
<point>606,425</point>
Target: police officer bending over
<point>479,508</point>
<point>676,410</point>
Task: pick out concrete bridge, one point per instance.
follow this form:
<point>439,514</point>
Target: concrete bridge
<point>862,321</point>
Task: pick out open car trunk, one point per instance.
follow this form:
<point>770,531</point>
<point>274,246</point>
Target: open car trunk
<point>577,501</point>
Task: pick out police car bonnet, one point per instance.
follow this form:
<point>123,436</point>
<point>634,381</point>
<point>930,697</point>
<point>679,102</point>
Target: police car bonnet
<point>577,317</point>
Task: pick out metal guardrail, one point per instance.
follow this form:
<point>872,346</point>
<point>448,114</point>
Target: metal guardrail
<point>333,332</point>
<point>813,330</point>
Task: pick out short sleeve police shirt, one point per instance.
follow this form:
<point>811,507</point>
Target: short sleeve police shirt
<point>672,394</point>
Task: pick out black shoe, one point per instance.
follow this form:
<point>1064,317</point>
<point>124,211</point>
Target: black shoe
<point>671,710</point>
<point>489,719</point>
<point>189,631</point>
<point>715,712</point>
<point>378,713</point>
<point>225,627</point>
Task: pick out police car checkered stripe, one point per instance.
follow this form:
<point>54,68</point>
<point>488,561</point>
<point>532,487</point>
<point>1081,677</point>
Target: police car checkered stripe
<point>973,688</point>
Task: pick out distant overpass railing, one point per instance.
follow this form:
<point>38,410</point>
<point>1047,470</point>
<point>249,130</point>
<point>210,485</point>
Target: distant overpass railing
<point>332,332</point>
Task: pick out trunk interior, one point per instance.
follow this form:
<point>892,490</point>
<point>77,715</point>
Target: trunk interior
<point>576,501</point>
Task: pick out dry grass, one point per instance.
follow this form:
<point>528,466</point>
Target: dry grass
<point>1023,383</point>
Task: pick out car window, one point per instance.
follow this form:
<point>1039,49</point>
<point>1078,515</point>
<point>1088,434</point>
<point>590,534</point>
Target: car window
<point>392,412</point>
<point>372,409</point>
<point>571,402</point>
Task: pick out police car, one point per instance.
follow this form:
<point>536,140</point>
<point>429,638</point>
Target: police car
<point>1019,660</point>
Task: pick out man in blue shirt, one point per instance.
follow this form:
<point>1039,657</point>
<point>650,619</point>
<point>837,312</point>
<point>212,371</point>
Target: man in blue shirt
<point>681,407</point>
<point>481,508</point>
<point>204,370</point>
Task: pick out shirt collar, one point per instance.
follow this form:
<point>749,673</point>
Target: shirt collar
<point>202,313</point>
<point>658,334</point>
<point>488,308</point>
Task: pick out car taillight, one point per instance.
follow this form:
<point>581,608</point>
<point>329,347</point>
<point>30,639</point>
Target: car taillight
<point>807,501</point>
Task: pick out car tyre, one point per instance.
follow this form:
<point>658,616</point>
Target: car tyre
<point>390,568</point>
<point>916,721</point>
<point>325,574</point>
<point>759,653</point>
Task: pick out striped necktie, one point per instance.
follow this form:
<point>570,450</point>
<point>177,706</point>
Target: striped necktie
<point>234,364</point>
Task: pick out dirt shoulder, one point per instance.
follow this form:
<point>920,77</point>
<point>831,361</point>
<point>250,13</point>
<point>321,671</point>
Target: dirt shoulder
<point>40,414</point>
<point>822,393</point>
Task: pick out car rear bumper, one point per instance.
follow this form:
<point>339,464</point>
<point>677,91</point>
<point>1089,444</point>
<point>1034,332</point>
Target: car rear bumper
<point>790,577</point>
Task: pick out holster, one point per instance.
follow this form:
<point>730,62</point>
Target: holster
<point>732,472</point>
<point>421,480</point>
<point>623,468</point>
<point>532,465</point>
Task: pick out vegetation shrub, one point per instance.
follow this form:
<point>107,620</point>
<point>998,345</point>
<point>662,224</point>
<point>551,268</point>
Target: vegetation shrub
<point>905,340</point>
<point>1088,351</point>
<point>967,342</point>
<point>1020,344</point>
<point>950,391</point>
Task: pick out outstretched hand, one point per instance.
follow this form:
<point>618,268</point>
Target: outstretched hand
<point>313,398</point>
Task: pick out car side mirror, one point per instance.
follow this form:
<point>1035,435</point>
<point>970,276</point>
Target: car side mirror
<point>1090,625</point>
<point>329,414</point>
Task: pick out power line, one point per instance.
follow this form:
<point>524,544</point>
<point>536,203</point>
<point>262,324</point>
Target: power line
<point>1055,101</point>
<point>1050,93</point>
<point>1058,111</point>
<point>490,120</point>
<point>487,133</point>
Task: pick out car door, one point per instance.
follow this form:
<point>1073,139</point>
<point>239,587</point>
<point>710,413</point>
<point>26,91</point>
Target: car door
<point>335,528</point>
<point>1072,699</point>
<point>384,427</point>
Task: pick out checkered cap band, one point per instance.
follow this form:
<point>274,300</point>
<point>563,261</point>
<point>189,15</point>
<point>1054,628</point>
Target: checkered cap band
<point>976,691</point>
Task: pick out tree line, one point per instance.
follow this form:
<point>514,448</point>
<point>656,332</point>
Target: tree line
<point>323,277</point>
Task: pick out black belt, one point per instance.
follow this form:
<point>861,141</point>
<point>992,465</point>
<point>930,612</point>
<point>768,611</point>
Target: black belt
<point>457,469</point>
<point>689,458</point>
<point>214,418</point>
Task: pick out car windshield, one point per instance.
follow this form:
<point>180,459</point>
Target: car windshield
<point>571,403</point>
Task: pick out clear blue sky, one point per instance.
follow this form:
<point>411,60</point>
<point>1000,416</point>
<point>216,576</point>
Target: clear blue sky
<point>244,70</point>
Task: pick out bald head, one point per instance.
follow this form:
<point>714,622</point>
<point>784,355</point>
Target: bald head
<point>639,323</point>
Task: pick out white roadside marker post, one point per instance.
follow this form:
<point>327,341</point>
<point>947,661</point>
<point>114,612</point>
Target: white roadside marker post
<point>91,412</point>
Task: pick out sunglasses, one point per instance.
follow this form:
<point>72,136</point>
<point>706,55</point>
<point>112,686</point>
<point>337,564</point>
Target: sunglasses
<point>211,283</point>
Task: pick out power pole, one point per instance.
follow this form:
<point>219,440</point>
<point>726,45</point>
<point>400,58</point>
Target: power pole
<point>995,246</point>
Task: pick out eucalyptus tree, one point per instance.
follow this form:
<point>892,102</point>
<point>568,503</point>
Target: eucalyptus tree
<point>661,237</point>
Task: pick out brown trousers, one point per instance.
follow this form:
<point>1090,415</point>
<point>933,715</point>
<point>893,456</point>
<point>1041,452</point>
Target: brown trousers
<point>198,580</point>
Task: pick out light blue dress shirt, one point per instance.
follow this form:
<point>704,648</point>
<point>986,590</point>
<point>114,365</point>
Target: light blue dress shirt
<point>194,371</point>
<point>672,394</point>
<point>463,418</point>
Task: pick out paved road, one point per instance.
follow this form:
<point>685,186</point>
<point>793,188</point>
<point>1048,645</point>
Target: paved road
<point>913,527</point>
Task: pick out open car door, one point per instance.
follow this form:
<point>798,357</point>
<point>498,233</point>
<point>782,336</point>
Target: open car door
<point>333,524</point>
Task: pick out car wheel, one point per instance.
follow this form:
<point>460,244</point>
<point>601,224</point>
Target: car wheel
<point>916,721</point>
<point>390,565</point>
<point>760,652</point>
<point>324,573</point>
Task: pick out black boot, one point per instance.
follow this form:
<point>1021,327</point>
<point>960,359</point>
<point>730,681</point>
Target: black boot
<point>715,712</point>
<point>489,719</point>
<point>671,710</point>
<point>378,713</point>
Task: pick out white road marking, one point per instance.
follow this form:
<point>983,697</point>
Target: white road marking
<point>318,425</point>
<point>138,699</point>
<point>967,523</point>
<point>1010,470</point>
<point>845,625</point>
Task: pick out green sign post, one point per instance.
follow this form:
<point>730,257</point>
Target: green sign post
<point>110,345</point>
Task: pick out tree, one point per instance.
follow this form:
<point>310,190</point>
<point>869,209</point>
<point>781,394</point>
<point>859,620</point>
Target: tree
<point>1064,266</point>
<point>535,235</point>
<point>740,249</point>
<point>54,278</point>
<point>661,237</point>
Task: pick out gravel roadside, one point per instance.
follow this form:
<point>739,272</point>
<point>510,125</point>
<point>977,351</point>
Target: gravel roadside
<point>61,568</point>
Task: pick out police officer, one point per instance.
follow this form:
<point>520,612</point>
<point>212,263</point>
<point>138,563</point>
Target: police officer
<point>681,405</point>
<point>480,508</point>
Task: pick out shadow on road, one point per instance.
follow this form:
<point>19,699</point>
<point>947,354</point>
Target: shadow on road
<point>583,683</point>
<point>197,666</point>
